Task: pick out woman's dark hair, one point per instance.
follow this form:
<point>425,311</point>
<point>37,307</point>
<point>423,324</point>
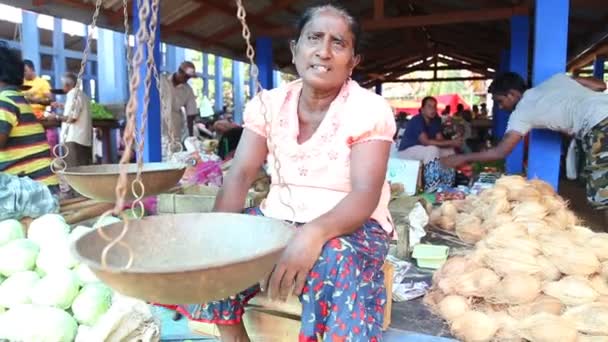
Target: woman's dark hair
<point>11,66</point>
<point>29,64</point>
<point>353,23</point>
<point>427,99</point>
<point>505,82</point>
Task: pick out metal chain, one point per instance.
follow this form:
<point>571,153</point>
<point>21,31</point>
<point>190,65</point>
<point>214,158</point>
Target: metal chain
<point>60,151</point>
<point>142,42</point>
<point>125,13</point>
<point>254,74</point>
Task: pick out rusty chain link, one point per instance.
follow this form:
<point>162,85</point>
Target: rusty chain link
<point>254,74</point>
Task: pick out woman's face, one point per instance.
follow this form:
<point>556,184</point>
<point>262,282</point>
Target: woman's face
<point>324,53</point>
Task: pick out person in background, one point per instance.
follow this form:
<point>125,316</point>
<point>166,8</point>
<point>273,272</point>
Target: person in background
<point>423,140</point>
<point>77,122</point>
<point>575,106</point>
<point>475,111</point>
<point>333,139</point>
<point>24,150</point>
<point>229,142</point>
<point>177,97</point>
<point>483,111</point>
<point>39,95</point>
<point>446,111</point>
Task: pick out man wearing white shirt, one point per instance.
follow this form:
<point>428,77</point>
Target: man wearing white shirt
<point>575,106</point>
<point>77,123</point>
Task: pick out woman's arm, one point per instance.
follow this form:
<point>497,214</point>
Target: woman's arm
<point>249,157</point>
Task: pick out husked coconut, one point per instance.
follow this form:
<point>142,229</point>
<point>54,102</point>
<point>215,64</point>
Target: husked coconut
<point>468,228</point>
<point>548,270</point>
<point>432,298</point>
<point>554,203</point>
<point>542,304</point>
<point>495,208</point>
<point>517,288</point>
<point>528,194</point>
<point>454,266</point>
<point>523,244</point>
<point>562,219</point>
<point>581,234</point>
<point>534,227</point>
<point>571,290</point>
<point>575,261</point>
<point>591,338</point>
<point>448,209</point>
<point>475,283</point>
<point>496,221</point>
<point>446,222</point>
<point>474,326</point>
<point>532,210</point>
<point>599,245</point>
<point>599,284</point>
<point>545,188</point>
<point>589,318</point>
<point>545,327</point>
<point>505,261</point>
<point>453,306</point>
<point>506,326</point>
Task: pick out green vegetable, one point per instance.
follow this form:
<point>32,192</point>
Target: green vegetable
<point>99,112</point>
<point>10,230</point>
<point>78,232</point>
<point>56,256</point>
<point>16,289</point>
<point>58,289</point>
<point>93,301</point>
<point>85,275</point>
<point>48,229</point>
<point>27,322</point>
<point>18,256</point>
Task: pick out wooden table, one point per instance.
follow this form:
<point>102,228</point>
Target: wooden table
<point>109,155</point>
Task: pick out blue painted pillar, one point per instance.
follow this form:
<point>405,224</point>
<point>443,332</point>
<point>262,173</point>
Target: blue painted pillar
<point>378,88</point>
<point>30,39</point>
<point>598,67</point>
<point>551,42</point>
<point>152,147</point>
<point>218,105</point>
<point>206,75</point>
<point>501,117</point>
<point>263,59</point>
<point>58,52</point>
<point>518,62</point>
<point>238,91</point>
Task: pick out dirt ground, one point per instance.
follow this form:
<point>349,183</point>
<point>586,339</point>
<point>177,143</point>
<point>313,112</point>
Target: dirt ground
<point>574,192</point>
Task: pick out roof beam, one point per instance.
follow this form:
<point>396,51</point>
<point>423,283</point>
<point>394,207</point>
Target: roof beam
<point>277,5</point>
<point>378,9</point>
<point>188,19</point>
<point>446,18</point>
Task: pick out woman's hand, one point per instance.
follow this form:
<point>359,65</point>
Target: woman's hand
<point>299,257</point>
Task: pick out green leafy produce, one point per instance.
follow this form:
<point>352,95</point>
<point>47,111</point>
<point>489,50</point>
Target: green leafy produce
<point>18,256</point>
<point>27,322</point>
<point>16,289</point>
<point>10,230</point>
<point>58,289</point>
<point>93,301</point>
<point>99,112</point>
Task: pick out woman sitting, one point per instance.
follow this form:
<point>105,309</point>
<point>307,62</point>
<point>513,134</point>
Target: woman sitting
<point>332,139</point>
<point>423,140</point>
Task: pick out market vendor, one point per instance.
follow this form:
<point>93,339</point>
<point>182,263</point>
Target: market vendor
<point>77,127</point>
<point>332,139</point>
<point>39,95</point>
<point>177,99</point>
<point>24,150</point>
<point>574,106</point>
<point>423,140</point>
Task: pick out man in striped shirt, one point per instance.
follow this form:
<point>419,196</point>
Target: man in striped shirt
<point>24,150</point>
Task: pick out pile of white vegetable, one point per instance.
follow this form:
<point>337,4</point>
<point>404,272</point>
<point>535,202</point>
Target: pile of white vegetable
<point>45,294</point>
<point>533,275</point>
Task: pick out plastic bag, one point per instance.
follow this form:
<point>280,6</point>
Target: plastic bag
<point>572,161</point>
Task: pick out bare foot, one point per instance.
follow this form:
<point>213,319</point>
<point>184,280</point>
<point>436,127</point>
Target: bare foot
<point>233,333</point>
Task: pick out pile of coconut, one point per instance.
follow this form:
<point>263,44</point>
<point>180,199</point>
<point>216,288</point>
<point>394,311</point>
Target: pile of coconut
<point>533,275</point>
